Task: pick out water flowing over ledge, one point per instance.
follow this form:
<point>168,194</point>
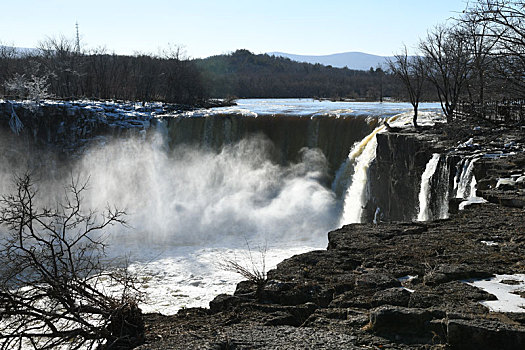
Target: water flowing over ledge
<point>425,191</point>
<point>198,187</point>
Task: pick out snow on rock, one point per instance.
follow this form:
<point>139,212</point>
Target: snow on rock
<point>509,289</point>
<point>117,114</point>
<point>505,183</point>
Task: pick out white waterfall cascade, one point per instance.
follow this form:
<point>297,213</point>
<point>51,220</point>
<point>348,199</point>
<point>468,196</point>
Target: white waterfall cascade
<point>465,178</point>
<point>473,184</point>
<point>443,188</point>
<point>313,132</point>
<point>466,185</point>
<point>356,196</point>
<point>361,156</point>
<point>425,190</point>
<point>460,167</point>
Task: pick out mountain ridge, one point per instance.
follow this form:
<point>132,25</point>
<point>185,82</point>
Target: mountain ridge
<point>352,60</point>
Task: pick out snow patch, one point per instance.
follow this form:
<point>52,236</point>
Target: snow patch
<point>505,288</point>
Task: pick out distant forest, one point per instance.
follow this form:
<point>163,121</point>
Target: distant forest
<point>58,69</point>
<point>246,75</point>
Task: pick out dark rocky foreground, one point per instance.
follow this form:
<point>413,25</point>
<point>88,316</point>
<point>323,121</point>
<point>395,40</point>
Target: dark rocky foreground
<point>356,294</point>
<point>351,295</point>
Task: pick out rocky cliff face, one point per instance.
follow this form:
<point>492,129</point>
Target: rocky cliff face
<point>66,127</point>
<point>395,176</point>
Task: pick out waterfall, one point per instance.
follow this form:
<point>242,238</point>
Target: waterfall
<point>466,186</point>
<point>466,178</point>
<point>343,176</point>
<point>473,184</point>
<point>313,132</point>
<point>460,166</point>
<point>197,189</point>
<point>209,125</point>
<point>442,187</point>
<point>425,193</point>
<point>289,134</point>
<point>434,190</point>
<point>356,195</point>
<point>359,160</point>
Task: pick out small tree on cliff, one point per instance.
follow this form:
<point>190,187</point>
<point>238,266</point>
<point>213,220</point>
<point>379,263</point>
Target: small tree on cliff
<point>410,70</point>
<point>52,276</point>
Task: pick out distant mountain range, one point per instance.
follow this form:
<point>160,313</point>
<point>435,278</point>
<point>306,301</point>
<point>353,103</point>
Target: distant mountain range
<point>352,60</point>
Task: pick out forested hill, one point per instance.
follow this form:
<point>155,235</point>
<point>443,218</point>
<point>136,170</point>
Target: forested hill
<point>246,75</point>
<point>57,70</point>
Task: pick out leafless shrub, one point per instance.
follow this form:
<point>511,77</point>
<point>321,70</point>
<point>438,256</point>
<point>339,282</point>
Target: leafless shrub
<point>34,88</point>
<point>252,268</point>
<point>54,275</point>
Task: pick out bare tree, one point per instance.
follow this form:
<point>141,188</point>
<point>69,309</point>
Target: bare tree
<point>7,58</point>
<point>446,64</point>
<point>33,88</point>
<point>503,22</point>
<point>53,272</point>
<point>411,72</point>
<point>480,46</point>
<point>506,19</point>
<point>62,62</point>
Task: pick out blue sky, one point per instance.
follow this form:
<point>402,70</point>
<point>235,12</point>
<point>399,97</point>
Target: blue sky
<point>205,27</point>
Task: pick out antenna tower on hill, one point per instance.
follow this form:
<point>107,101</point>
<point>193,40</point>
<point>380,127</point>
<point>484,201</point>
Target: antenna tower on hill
<point>77,43</point>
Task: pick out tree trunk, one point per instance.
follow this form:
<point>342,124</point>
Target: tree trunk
<point>414,119</point>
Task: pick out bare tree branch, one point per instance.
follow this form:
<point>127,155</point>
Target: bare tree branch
<point>52,264</point>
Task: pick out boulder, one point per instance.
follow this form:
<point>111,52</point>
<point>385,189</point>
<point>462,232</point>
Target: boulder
<point>295,293</point>
<point>449,272</point>
<point>400,322</point>
<point>479,334</point>
<point>375,280</point>
<point>224,302</point>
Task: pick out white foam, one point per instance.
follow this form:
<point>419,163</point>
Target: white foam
<point>183,277</point>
